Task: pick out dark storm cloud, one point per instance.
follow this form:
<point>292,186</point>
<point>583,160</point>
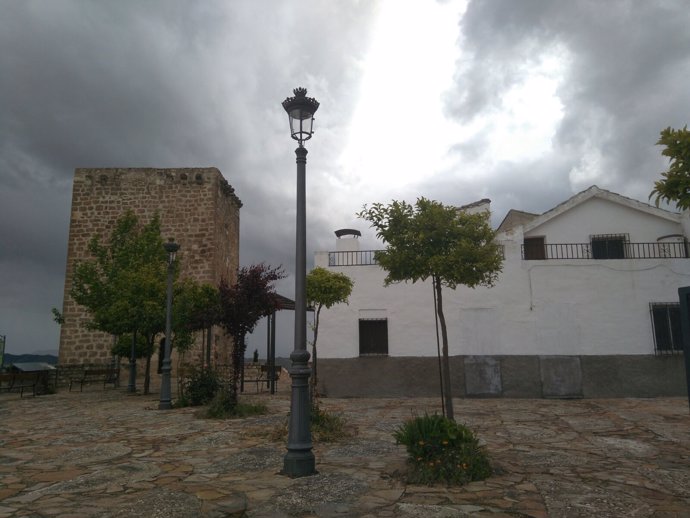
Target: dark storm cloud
<point>159,84</point>
<point>627,64</point>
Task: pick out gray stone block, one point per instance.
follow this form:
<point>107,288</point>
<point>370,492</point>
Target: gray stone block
<point>561,376</point>
<point>520,376</point>
<point>482,376</point>
<point>633,376</point>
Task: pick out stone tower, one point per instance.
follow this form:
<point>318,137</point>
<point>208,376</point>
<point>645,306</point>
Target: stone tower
<point>197,207</point>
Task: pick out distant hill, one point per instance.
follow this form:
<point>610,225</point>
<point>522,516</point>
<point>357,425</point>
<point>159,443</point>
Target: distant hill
<point>21,358</point>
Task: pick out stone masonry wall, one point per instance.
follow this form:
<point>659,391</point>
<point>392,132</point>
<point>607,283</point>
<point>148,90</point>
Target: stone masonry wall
<point>197,207</point>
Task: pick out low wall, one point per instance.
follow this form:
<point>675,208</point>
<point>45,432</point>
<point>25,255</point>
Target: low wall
<point>506,376</point>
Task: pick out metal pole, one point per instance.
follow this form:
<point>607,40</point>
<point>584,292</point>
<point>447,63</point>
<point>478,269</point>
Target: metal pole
<point>165,402</point>
<point>209,336</point>
<point>299,461</point>
<point>132,386</point>
<point>268,351</point>
<point>683,295</point>
<point>273,353</point>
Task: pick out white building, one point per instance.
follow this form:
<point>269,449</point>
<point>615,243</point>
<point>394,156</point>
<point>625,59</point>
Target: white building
<point>586,305</point>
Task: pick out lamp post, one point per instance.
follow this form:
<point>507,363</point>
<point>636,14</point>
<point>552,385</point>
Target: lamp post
<point>299,460</point>
<point>165,403</point>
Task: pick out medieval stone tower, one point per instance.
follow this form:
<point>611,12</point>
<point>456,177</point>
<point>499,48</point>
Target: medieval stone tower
<point>197,207</point>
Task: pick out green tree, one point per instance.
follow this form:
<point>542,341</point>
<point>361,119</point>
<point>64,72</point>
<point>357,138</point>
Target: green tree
<point>58,317</point>
<point>242,305</point>
<point>675,183</point>
<point>324,289</point>
<point>430,240</point>
<point>123,285</point>
<point>196,308</point>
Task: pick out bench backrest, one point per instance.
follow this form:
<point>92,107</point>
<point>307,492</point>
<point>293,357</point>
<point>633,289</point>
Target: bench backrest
<point>276,370</point>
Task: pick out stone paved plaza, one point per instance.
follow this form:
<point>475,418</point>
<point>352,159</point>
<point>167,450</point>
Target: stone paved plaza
<point>104,453</point>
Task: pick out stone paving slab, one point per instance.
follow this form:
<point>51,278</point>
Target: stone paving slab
<point>104,453</point>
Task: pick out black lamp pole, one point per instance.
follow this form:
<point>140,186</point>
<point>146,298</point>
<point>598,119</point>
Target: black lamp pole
<point>166,401</point>
<point>299,460</point>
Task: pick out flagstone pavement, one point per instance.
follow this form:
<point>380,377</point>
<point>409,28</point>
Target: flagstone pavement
<point>104,453</point>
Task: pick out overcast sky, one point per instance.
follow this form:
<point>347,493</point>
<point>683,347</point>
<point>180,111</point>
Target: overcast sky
<point>522,102</point>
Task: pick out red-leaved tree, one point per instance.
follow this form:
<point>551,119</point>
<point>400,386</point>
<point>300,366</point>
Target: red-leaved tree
<point>242,305</point>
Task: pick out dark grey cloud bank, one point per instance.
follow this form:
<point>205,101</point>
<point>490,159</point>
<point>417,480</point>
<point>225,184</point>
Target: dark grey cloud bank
<point>176,83</point>
<point>627,64</point>
<point>160,84</point>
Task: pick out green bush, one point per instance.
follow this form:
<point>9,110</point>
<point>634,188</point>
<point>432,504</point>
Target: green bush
<point>327,427</point>
<point>323,425</point>
<point>200,386</point>
<point>440,450</point>
<point>182,401</point>
<point>222,406</point>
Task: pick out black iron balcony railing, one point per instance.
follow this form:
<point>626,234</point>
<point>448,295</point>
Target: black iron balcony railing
<point>358,258</point>
<point>362,257</point>
<point>615,250</point>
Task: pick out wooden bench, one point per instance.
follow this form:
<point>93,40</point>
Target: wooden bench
<point>10,381</point>
<point>261,375</point>
<point>107,375</point>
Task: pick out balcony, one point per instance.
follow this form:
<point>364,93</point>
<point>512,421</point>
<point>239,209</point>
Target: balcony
<point>358,258</point>
<point>363,257</point>
<point>598,250</point>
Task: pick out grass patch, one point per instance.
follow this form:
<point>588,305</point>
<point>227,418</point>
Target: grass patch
<point>222,407</point>
<point>325,427</point>
<point>441,450</point>
<point>328,427</point>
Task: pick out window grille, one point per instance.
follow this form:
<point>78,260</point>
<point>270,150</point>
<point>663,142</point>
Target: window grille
<point>608,246</point>
<point>534,248</point>
<point>373,336</point>
<point>666,327</point>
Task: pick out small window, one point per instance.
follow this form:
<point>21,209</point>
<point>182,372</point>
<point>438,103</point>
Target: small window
<point>534,248</point>
<point>666,326</point>
<point>373,336</point>
<point>608,246</point>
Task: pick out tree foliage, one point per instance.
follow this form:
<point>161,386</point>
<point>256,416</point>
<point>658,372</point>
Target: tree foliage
<point>123,346</point>
<point>675,183</point>
<point>430,240</point>
<point>196,308</point>
<point>243,304</point>
<point>324,289</point>
<point>123,286</point>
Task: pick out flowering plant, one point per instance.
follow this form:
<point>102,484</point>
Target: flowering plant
<point>442,450</point>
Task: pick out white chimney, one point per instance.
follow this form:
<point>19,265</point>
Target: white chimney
<point>347,240</point>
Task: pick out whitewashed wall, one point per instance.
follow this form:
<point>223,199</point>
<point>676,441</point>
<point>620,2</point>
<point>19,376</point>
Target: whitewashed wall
<point>552,307</point>
<point>599,216</point>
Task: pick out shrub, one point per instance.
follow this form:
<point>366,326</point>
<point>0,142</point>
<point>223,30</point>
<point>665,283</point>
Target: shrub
<point>222,406</point>
<point>200,387</point>
<point>324,427</point>
<point>182,401</point>
<point>327,427</point>
<point>441,450</point>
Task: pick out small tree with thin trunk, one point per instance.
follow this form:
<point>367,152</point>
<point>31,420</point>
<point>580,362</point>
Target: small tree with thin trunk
<point>242,305</point>
<point>430,240</point>
<point>123,284</point>
<point>324,289</point>
<point>196,308</point>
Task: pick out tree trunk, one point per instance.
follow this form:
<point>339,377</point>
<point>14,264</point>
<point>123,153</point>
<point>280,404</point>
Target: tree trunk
<point>314,380</point>
<point>237,353</point>
<point>447,393</point>
<point>208,346</point>
<point>147,377</point>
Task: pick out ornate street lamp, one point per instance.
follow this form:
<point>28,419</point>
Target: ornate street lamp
<point>299,460</point>
<point>165,403</point>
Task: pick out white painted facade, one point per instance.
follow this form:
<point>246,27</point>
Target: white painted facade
<point>538,307</point>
